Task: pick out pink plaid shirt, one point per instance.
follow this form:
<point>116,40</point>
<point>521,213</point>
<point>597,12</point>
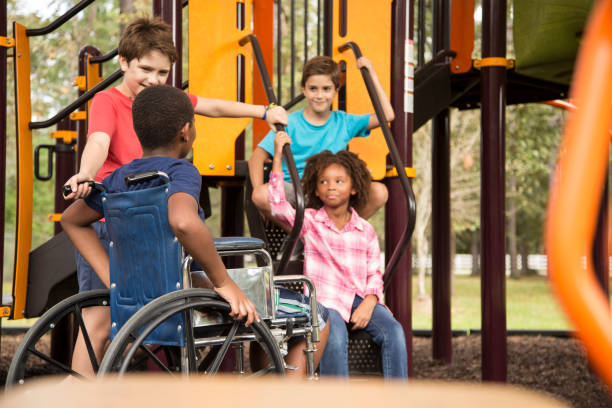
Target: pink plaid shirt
<point>341,264</point>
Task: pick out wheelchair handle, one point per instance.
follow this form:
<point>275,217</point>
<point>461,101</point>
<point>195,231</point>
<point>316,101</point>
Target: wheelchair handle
<point>141,177</point>
<point>66,189</point>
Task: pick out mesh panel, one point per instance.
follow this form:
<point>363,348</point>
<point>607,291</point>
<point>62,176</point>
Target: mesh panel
<point>363,354</point>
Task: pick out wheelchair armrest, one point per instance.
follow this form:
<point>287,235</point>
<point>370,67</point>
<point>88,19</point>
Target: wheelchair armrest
<point>238,243</point>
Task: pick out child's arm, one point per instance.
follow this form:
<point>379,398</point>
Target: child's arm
<point>195,237</point>
<point>76,221</point>
<point>94,155</point>
<point>279,206</point>
<point>256,165</point>
<point>386,105</point>
<point>221,108</point>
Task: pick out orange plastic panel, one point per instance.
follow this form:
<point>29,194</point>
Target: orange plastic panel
<point>213,56</point>
<point>369,26</point>
<point>263,27</point>
<point>577,191</point>
<point>462,35</point>
<point>92,75</point>
<point>25,171</point>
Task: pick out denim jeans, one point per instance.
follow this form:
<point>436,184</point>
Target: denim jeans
<point>385,331</point>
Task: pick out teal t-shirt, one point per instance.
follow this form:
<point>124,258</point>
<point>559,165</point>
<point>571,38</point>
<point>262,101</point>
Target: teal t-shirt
<point>308,139</point>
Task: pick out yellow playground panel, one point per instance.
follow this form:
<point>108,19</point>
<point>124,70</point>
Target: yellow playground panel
<point>368,24</point>
<point>213,73</point>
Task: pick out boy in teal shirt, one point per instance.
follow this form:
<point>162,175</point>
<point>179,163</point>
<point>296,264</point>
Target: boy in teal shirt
<point>316,128</point>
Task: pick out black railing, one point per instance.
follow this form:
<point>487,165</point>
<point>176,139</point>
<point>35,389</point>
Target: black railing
<point>397,162</point>
<point>287,156</point>
<point>103,58</point>
<point>78,102</point>
<point>33,32</point>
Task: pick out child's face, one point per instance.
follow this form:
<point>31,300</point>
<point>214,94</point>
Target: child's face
<point>334,186</point>
<point>320,92</point>
<point>151,69</point>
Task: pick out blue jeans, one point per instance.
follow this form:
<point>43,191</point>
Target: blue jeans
<point>385,331</point>
<point>88,278</point>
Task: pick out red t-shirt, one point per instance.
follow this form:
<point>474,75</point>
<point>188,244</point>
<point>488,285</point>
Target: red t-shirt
<point>111,113</point>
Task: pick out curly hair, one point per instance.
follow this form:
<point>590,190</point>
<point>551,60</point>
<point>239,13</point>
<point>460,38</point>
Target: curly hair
<point>158,114</point>
<point>355,167</point>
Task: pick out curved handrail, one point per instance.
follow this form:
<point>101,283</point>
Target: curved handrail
<point>287,155</point>
<point>397,162</point>
<point>577,190</point>
<point>33,32</point>
<point>78,102</point>
<point>103,58</point>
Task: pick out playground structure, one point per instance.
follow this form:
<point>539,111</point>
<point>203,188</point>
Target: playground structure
<point>451,78</point>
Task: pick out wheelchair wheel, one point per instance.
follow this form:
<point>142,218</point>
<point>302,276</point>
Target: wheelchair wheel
<point>206,346</point>
<point>33,357</point>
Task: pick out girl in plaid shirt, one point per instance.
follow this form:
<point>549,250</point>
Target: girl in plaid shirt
<point>341,255</point>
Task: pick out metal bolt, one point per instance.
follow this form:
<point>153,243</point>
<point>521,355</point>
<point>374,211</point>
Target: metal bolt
<point>166,190</point>
<point>114,324</point>
<point>111,244</point>
<point>175,239</point>
<point>21,382</point>
<point>229,167</point>
<point>103,198</point>
<point>104,303</point>
<point>113,285</point>
<point>211,166</point>
<point>456,66</point>
<point>52,325</point>
<point>179,327</point>
<point>178,285</point>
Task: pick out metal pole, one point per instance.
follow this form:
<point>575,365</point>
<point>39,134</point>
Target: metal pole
<point>171,11</point>
<point>2,138</point>
<point>440,214</point>
<point>399,293</point>
<point>492,202</point>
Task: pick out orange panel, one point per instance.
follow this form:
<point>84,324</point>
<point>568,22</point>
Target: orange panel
<point>575,197</point>
<point>369,26</point>
<point>92,74</point>
<point>462,35</point>
<point>213,55</point>
<point>263,28</point>
<point>25,170</point>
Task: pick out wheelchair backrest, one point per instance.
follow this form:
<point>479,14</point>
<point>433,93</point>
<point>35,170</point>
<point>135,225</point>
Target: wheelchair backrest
<point>145,258</point>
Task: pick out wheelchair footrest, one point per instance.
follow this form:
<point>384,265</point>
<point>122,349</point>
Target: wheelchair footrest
<point>363,354</point>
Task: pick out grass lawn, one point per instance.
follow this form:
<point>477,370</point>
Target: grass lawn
<point>529,304</point>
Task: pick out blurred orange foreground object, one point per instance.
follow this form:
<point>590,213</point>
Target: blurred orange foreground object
<point>577,191</point>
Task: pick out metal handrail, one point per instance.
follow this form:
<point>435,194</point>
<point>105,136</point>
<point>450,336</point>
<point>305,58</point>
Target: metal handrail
<point>397,162</point>
<point>78,102</point>
<point>287,155</point>
<point>33,32</point>
<point>103,58</point>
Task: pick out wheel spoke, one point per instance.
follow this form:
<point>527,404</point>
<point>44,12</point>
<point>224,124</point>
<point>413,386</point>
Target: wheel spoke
<point>266,370</point>
<point>90,350</point>
<point>214,367</point>
<point>53,362</point>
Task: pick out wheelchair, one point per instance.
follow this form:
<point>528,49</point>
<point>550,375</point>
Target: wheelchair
<point>158,320</point>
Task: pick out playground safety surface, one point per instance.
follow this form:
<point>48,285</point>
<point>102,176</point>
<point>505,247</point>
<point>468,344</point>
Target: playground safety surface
<point>555,366</point>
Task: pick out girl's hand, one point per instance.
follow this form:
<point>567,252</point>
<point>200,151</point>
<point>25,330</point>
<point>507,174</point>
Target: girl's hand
<point>282,138</point>
<point>363,62</point>
<point>277,114</point>
<point>78,190</point>
<point>362,315</point>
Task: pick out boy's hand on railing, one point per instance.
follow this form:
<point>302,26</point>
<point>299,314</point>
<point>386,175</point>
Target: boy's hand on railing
<point>276,114</point>
<point>363,62</point>
<point>240,304</point>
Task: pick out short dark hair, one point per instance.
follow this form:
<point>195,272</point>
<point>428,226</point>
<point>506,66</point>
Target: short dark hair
<point>355,167</point>
<point>159,112</point>
<point>321,65</point>
<point>144,35</point>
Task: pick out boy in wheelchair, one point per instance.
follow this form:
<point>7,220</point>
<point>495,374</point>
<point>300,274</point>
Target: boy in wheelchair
<point>163,119</point>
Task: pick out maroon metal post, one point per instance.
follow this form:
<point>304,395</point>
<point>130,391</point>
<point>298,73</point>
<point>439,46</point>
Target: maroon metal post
<point>440,210</point>
<point>171,11</point>
<point>65,167</point>
<point>2,137</point>
<point>399,293</point>
<point>492,204</point>
<point>601,259</point>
